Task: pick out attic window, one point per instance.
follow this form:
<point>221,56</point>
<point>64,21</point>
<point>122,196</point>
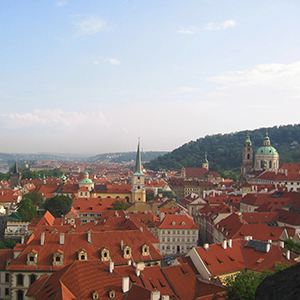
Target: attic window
<point>173,223</point>
<point>183,223</point>
<point>145,250</point>
<point>95,295</point>
<point>58,258</point>
<point>127,252</point>
<point>111,294</point>
<point>104,254</point>
<point>82,255</point>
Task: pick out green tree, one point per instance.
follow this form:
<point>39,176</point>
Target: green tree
<point>30,175</point>
<point>35,197</point>
<point>292,246</point>
<point>57,205</point>
<point>244,284</point>
<point>26,210</point>
<point>119,205</point>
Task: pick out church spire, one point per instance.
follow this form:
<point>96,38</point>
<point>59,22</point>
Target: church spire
<point>16,169</point>
<point>138,162</point>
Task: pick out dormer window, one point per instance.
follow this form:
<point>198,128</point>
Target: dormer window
<point>95,295</point>
<point>111,294</point>
<point>32,257</point>
<point>127,252</point>
<point>145,250</point>
<point>82,255</point>
<point>104,254</point>
<point>58,258</point>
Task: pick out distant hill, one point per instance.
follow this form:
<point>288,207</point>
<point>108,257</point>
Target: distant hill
<point>224,151</point>
<point>119,157</point>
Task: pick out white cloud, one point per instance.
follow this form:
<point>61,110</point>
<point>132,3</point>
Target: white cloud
<point>223,26</point>
<point>278,76</point>
<point>60,3</point>
<point>91,26</point>
<point>41,119</point>
<point>186,89</point>
<point>96,62</point>
<point>188,30</point>
<point>113,61</point>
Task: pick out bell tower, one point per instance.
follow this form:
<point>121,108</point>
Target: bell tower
<point>138,192</point>
<point>247,162</point>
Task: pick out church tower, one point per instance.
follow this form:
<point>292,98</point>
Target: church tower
<point>15,177</point>
<point>205,165</point>
<point>138,192</point>
<point>247,162</point>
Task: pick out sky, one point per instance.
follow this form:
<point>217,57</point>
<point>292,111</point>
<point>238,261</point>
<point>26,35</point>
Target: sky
<point>90,77</point>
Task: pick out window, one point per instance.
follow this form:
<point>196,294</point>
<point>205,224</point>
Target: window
<point>163,239</point>
<point>178,232</point>
<point>168,239</point>
<point>194,232</point>
<point>163,232</point>
<point>173,239</point>
<point>32,278</point>
<point>6,291</point>
<point>178,239</point>
<point>20,295</point>
<point>169,232</point>
<point>163,247</point>
<point>6,277</point>
<point>174,232</point>
<point>182,231</point>
<point>20,279</point>
<point>188,232</point>
<point>182,240</point>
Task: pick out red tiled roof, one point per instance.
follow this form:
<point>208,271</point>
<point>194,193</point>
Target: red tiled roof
<point>74,241</point>
<point>177,222</point>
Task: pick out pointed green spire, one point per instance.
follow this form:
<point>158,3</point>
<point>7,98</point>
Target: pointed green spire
<point>138,162</point>
<point>205,159</point>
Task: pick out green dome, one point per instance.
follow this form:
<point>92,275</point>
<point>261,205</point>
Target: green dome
<point>266,150</point>
<point>86,181</point>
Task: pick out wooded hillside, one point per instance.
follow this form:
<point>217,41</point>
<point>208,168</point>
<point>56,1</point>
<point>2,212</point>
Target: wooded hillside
<point>224,151</point>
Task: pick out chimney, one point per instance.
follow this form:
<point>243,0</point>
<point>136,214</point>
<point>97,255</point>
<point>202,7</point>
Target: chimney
<point>155,295</point>
<point>206,246</point>
<point>162,216</point>
<point>129,262</point>
<point>125,284</point>
<point>224,244</point>
<point>61,238</point>
<point>281,244</point>
<point>111,266</point>
<point>165,297</point>
<point>89,237</point>
<point>22,239</point>
<point>268,247</point>
<point>137,272</point>
<point>288,254</point>
<point>122,244</point>
<point>42,238</point>
<point>229,243</point>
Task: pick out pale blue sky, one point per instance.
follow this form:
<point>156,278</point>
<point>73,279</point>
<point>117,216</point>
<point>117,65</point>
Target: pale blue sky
<point>93,76</point>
